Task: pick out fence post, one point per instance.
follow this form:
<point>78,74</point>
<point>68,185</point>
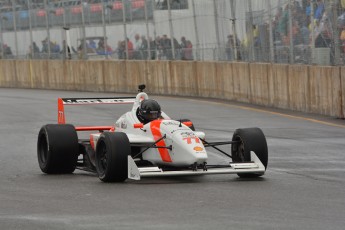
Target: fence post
<point>233,20</point>
<point>148,57</point>
<point>251,35</point>
<point>335,33</point>
<point>15,27</point>
<point>312,32</point>
<point>104,31</point>
<point>270,30</point>
<point>32,51</point>
<point>196,32</point>
<point>125,27</point>
<point>215,6</point>
<point>291,53</point>
<point>171,31</point>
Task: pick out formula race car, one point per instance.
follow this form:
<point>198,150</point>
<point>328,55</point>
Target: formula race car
<point>144,142</point>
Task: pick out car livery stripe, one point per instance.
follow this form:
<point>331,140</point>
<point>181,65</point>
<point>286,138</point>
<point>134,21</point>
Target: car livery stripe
<point>92,142</point>
<point>156,132</point>
<point>61,112</point>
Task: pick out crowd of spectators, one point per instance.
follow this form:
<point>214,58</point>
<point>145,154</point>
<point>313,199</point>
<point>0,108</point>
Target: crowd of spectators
<point>163,48</point>
<point>140,48</point>
<point>309,29</point>
<point>319,29</point>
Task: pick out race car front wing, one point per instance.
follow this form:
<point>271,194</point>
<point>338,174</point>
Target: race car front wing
<point>255,166</point>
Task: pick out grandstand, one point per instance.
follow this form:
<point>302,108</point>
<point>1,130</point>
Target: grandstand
<point>262,30</point>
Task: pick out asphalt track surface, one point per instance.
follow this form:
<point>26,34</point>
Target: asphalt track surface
<point>303,188</point>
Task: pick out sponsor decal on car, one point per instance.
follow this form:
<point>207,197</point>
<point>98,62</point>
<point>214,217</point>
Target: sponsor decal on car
<point>170,123</point>
<point>97,101</point>
<point>198,148</point>
<point>189,140</point>
<point>124,125</point>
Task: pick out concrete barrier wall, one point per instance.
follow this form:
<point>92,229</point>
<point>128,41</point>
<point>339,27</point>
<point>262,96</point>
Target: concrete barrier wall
<point>313,89</point>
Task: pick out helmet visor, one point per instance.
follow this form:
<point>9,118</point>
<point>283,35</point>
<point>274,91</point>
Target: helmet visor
<point>153,115</point>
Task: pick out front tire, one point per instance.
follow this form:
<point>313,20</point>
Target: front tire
<point>57,148</point>
<point>250,139</point>
<point>112,151</point>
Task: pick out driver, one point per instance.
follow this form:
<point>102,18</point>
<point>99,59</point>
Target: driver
<point>148,110</point>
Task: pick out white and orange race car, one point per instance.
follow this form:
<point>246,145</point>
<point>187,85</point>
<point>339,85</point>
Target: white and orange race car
<point>130,149</point>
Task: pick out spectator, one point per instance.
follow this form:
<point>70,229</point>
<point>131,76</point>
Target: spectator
<point>143,48</point>
<point>120,50</point>
<point>183,46</point>
<point>177,48</point>
<point>165,45</point>
<point>304,31</point>
<point>92,44</point>
<point>319,10</point>
<point>66,51</point>
<point>102,48</point>
<point>229,48</point>
<point>35,48</point>
<point>129,50</point>
<point>45,46</point>
<point>188,53</point>
<point>153,48</point>
<point>342,40</point>
<point>7,51</point>
<point>137,46</point>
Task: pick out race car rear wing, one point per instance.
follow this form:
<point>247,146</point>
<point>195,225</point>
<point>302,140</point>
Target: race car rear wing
<point>90,101</point>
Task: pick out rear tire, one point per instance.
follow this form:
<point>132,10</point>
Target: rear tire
<point>57,148</point>
<point>112,151</point>
<point>250,139</point>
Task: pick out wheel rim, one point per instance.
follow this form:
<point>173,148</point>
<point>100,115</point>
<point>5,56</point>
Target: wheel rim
<point>102,158</point>
<point>238,150</point>
<point>43,149</point>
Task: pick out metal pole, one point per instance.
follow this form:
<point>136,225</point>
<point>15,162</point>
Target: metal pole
<point>147,32</point>
<point>125,27</point>
<point>68,43</point>
<point>233,20</point>
<point>2,40</point>
<point>251,35</point>
<point>171,31</point>
<point>30,30</point>
<point>47,26</point>
<point>291,53</point>
<point>215,6</point>
<point>336,34</point>
<point>15,28</point>
<point>196,32</point>
<point>104,31</point>
<point>270,30</point>
<point>312,31</point>
<point>83,32</point>
<point>154,29</point>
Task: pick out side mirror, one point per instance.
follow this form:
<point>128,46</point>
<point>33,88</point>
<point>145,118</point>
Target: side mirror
<point>188,123</point>
<point>138,126</point>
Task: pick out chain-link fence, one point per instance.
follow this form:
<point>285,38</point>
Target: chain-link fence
<point>280,31</point>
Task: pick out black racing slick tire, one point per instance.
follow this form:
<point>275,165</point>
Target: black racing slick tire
<point>249,139</point>
<point>57,148</point>
<point>112,152</point>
